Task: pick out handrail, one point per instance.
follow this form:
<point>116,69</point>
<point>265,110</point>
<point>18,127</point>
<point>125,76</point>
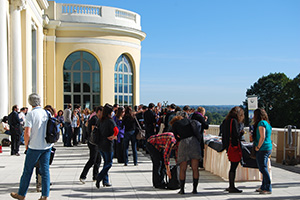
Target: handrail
<point>81,9</point>
<point>124,14</point>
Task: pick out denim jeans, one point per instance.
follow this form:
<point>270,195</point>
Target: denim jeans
<point>130,136</point>
<point>262,162</point>
<point>32,156</point>
<point>68,133</point>
<point>103,175</point>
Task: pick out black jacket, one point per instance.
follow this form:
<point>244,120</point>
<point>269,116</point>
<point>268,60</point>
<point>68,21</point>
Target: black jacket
<point>235,134</point>
<point>200,118</point>
<point>106,130</point>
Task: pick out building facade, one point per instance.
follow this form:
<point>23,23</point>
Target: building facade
<point>68,53</point>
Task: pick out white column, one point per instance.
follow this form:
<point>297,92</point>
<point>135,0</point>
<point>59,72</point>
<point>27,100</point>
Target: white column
<point>3,60</point>
<point>16,52</point>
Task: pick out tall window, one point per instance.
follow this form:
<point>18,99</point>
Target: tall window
<point>34,57</point>
<point>82,80</point>
<point>123,81</point>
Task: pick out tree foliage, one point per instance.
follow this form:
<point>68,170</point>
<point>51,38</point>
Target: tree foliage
<point>280,97</point>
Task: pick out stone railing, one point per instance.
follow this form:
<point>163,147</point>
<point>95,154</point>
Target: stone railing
<point>126,15</point>
<point>277,138</point>
<point>81,9</point>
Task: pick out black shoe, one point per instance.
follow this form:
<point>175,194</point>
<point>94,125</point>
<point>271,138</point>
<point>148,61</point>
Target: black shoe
<point>181,192</point>
<point>125,164</point>
<point>107,185</point>
<point>17,154</point>
<point>98,184</point>
<point>194,192</point>
<point>160,187</point>
<point>234,190</point>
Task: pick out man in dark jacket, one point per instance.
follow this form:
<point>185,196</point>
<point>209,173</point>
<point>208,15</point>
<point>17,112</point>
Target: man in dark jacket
<point>15,130</point>
<point>150,120</point>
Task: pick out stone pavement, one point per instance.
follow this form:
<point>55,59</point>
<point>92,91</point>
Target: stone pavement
<point>131,182</point>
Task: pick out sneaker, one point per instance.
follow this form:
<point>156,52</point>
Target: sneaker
<point>125,164</point>
<point>17,196</point>
<point>265,192</point>
<point>82,180</point>
<point>107,185</point>
<point>258,190</point>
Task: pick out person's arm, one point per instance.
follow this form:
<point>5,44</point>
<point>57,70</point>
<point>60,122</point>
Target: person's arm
<point>78,121</point>
<point>27,136</point>
<point>168,148</point>
<point>262,133</point>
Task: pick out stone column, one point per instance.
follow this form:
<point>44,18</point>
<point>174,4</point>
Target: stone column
<point>16,52</point>
<point>3,60</point>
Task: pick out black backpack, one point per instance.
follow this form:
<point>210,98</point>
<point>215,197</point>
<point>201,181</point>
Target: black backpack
<point>173,183</point>
<point>53,129</point>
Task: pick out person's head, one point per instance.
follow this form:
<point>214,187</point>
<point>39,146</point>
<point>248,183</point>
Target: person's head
<point>23,110</point>
<point>98,111</point>
<point>151,106</point>
<point>15,108</point>
<point>186,109</point>
<point>69,106</point>
<point>34,100</point>
<point>236,113</point>
<point>60,113</point>
<point>172,106</point>
<point>175,119</point>
<point>260,114</point>
<point>201,110</point>
<point>115,107</point>
<point>177,109</point>
<point>106,113</point>
<point>5,119</point>
<point>159,105</point>
<point>78,107</point>
<point>50,109</point>
<point>128,111</point>
<point>144,108</point>
<point>120,112</point>
<point>87,111</point>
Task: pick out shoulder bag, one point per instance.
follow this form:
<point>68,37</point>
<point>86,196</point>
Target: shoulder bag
<point>234,153</point>
<point>141,135</point>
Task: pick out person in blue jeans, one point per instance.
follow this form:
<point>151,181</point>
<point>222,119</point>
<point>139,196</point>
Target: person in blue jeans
<point>108,132</point>
<point>37,149</point>
<point>130,125</point>
<point>263,147</point>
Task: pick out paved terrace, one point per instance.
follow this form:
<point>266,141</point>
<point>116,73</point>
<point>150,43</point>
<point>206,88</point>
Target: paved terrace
<point>132,182</point>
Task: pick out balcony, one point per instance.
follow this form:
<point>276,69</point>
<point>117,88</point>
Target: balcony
<point>101,15</point>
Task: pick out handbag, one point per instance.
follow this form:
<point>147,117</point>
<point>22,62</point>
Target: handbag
<point>173,183</point>
<point>141,135</point>
<point>234,153</point>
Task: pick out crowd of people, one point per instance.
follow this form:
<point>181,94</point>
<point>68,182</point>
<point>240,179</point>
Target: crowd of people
<point>171,131</point>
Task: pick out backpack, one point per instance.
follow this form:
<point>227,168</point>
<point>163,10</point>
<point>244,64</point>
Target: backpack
<point>53,129</point>
<point>173,183</point>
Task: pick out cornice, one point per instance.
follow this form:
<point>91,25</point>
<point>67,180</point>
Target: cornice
<point>43,4</point>
<point>19,4</point>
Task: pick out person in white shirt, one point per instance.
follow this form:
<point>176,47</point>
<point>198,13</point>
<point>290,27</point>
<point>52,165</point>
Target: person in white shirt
<point>37,149</point>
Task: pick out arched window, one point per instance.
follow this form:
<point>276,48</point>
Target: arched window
<point>82,80</point>
<point>123,81</point>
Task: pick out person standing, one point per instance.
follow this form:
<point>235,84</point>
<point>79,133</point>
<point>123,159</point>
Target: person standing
<point>68,127</point>
<point>263,147</point>
<point>150,120</point>
<point>95,157</point>
<point>22,115</point>
<point>118,118</point>
<point>130,126</point>
<point>37,149</point>
<point>109,132</point>
<point>15,130</point>
<point>231,135</point>
<point>60,118</point>
<point>75,126</point>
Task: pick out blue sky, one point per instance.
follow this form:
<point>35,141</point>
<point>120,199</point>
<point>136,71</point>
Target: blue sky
<point>209,52</point>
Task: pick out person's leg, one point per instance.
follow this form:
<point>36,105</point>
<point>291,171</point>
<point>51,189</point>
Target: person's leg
<point>103,175</point>
<point>195,164</point>
<point>182,173</point>
<point>262,161</point>
<point>89,163</point>
<point>97,163</point>
<point>133,146</point>
<point>44,169</point>
<point>120,152</point>
<point>232,172</point>
<point>32,156</point>
<point>18,141</point>
<point>126,146</point>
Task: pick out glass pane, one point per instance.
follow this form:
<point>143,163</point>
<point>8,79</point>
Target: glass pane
<point>130,100</point>
<point>116,88</point>
<point>125,88</point>
<point>130,78</point>
<point>86,101</point>
<point>86,87</point>
<point>116,98</point>
<point>76,87</point>
<point>96,87</point>
<point>67,99</point>
<point>76,99</point>
<point>126,100</point>
<point>85,66</point>
<point>116,67</point>
<point>67,76</point>
<point>96,77</point>
<point>68,65</point>
<point>96,100</point>
<point>120,78</point>
<point>86,77</point>
<point>71,59</point>
<point>91,60</point>
<point>116,78</point>
<point>120,88</point>
<point>121,100</point>
<point>121,68</point>
<point>67,87</point>
<point>130,88</point>
<point>76,77</point>
<point>125,78</point>
<point>77,66</point>
<point>125,68</point>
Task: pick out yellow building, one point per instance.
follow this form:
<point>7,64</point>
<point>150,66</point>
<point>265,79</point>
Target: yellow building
<point>68,53</point>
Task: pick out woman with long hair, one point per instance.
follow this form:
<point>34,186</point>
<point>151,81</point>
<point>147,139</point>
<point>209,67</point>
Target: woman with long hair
<point>75,126</point>
<point>231,134</point>
<point>118,118</point>
<point>108,132</point>
<point>130,125</point>
<point>263,147</point>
